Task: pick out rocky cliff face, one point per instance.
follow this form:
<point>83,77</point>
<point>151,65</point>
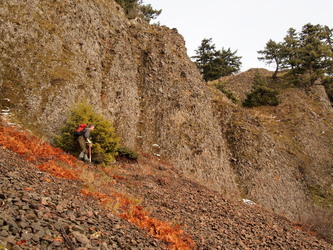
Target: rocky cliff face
<point>57,53</point>
<point>282,155</point>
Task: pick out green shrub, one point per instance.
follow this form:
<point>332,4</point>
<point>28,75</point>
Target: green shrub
<point>136,8</point>
<point>328,83</point>
<point>262,96</point>
<point>319,195</point>
<point>221,86</point>
<point>127,152</point>
<point>104,138</point>
<point>259,80</point>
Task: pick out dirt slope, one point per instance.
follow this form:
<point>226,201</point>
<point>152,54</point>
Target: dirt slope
<point>38,209</point>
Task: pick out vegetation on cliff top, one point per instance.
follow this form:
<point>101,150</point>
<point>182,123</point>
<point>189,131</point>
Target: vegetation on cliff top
<point>213,63</point>
<point>307,54</point>
<point>261,94</point>
<point>136,8</point>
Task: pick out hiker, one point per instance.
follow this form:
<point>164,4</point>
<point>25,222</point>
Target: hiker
<point>83,140</point>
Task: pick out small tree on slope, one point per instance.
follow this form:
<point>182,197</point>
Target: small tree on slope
<point>105,140</point>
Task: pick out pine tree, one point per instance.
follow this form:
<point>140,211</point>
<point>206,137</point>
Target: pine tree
<point>273,52</point>
<point>308,54</point>
<point>290,46</point>
<point>136,8</point>
<point>213,63</point>
<point>261,94</point>
<point>148,13</point>
<point>315,51</point>
<point>229,61</point>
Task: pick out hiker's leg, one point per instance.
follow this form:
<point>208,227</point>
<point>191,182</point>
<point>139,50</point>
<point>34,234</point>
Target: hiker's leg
<point>83,146</point>
<point>81,155</point>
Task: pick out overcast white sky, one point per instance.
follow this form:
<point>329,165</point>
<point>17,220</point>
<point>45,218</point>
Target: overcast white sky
<point>243,25</point>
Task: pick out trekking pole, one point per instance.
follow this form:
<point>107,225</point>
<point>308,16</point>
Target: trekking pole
<point>90,152</point>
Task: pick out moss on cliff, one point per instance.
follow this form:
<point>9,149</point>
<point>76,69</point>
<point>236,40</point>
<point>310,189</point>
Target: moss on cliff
<point>320,195</point>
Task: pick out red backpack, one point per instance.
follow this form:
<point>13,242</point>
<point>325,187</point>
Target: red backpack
<point>80,130</point>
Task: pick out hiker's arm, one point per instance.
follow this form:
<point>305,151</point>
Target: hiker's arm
<point>87,134</point>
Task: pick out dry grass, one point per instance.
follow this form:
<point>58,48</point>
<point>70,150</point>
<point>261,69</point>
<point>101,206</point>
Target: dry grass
<point>321,222</point>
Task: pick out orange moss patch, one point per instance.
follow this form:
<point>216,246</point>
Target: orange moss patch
<point>38,152</point>
<point>55,170</point>
<point>304,228</point>
<point>62,165</point>
<point>165,231</point>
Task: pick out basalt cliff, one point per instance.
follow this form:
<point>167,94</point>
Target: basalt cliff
<point>57,53</point>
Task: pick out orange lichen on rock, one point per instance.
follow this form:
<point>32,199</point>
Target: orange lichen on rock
<point>39,152</point>
<point>165,231</point>
<point>59,164</point>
